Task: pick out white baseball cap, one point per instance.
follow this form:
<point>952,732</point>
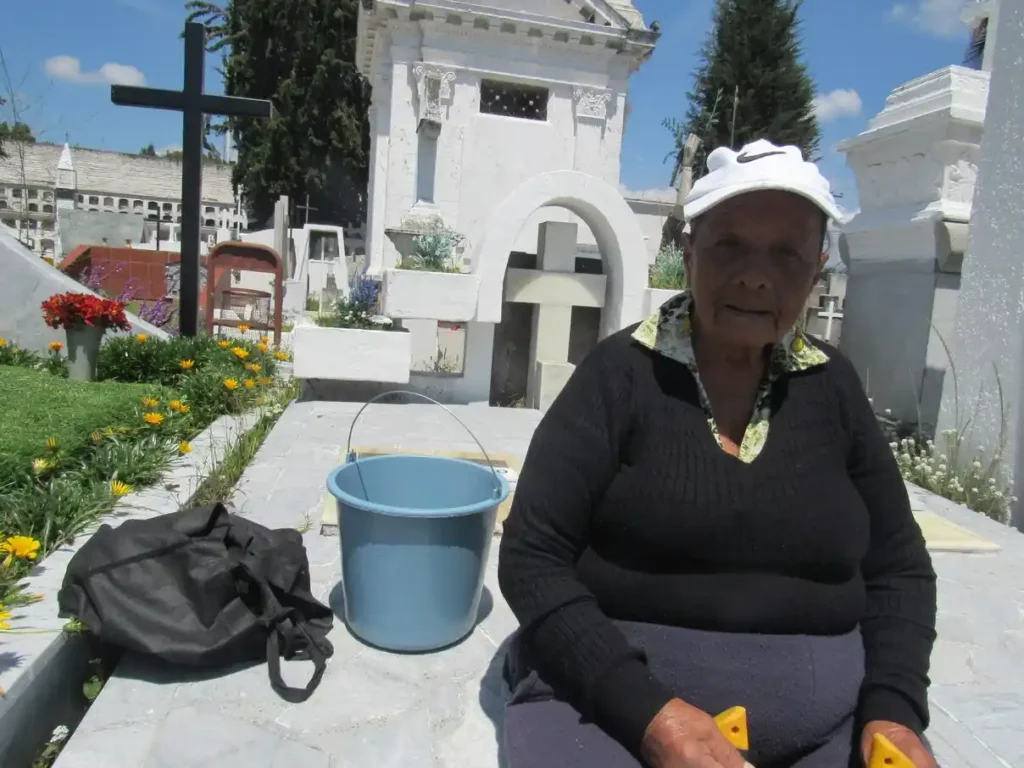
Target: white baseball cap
<point>758,166</point>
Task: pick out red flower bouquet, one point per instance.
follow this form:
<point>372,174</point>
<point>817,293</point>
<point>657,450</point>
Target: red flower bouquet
<point>74,310</point>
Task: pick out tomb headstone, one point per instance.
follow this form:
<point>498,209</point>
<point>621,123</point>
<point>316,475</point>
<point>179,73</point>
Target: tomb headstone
<point>986,346</point>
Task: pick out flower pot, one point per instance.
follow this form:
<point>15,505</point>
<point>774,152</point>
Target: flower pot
<point>83,350</point>
<point>414,294</point>
<point>351,354</point>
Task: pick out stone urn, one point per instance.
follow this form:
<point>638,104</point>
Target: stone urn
<point>83,349</point>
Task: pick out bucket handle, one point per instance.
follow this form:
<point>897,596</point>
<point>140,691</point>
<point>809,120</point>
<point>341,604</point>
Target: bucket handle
<point>351,456</point>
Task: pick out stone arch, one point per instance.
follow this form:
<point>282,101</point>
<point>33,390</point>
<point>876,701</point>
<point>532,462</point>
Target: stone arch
<point>605,211</point>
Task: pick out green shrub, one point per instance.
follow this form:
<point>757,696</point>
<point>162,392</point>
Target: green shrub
<point>434,251</point>
<point>668,270</point>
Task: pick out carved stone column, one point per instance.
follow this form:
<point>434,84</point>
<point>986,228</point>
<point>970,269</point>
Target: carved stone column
<point>591,108</point>
<point>916,166</point>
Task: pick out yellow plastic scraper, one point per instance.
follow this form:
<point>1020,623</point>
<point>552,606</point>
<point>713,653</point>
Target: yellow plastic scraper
<point>884,754</point>
<point>733,725</point>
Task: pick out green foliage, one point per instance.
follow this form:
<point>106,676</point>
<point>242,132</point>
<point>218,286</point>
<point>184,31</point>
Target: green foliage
<point>751,60</point>
<point>435,252</point>
<point>300,54</point>
<point>668,270</point>
<point>35,406</point>
<point>14,131</point>
<point>13,355</point>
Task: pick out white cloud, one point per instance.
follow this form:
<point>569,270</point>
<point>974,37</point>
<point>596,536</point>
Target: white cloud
<point>940,18</point>
<point>842,102</point>
<point>70,69</point>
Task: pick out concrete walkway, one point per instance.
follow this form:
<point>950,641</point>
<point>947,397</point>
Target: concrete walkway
<point>444,710</point>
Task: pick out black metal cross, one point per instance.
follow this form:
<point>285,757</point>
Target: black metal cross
<point>193,104</point>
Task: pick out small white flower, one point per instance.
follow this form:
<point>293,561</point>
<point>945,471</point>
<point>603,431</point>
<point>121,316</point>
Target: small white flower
<point>888,411</point>
<point>942,467</point>
<point>60,734</point>
<point>991,481</point>
<point>998,494</point>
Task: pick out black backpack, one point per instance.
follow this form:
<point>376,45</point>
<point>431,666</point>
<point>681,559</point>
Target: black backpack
<point>201,587</point>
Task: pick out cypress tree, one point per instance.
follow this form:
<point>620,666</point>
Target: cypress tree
<point>300,54</point>
<point>751,84</point>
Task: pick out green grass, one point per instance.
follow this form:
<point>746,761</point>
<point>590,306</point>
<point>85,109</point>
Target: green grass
<point>35,406</point>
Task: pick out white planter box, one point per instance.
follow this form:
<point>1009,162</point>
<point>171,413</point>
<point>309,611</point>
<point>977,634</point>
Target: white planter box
<point>348,354</point>
<point>658,296</point>
<point>420,295</point>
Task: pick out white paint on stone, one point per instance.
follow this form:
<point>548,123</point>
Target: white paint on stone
<point>986,340</point>
<point>916,166</point>
<point>350,354</point>
<point>600,205</point>
<point>429,295</point>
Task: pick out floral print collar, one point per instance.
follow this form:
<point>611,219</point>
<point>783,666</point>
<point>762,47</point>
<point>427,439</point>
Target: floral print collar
<point>667,332</point>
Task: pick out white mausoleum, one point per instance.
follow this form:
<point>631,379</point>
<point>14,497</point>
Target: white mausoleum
<point>504,123</point>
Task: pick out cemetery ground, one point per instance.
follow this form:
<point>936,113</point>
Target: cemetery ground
<point>445,709</point>
<point>168,422</point>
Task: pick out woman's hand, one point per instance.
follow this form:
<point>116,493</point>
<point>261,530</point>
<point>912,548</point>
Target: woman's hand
<point>904,739</point>
<point>681,736</point>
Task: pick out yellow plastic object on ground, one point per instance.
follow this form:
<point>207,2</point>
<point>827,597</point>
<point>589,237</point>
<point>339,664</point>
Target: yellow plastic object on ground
<point>733,725</point>
<point>884,754</point>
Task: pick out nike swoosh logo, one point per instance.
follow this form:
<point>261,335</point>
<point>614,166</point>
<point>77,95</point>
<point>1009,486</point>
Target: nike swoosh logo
<point>752,158</point>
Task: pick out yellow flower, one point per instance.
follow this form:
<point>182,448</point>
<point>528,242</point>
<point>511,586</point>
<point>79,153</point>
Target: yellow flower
<point>264,340</point>
<point>51,443</point>
<point>141,337</point>
<point>254,367</point>
<point>262,346</point>
<point>243,328</point>
<point>177,405</point>
<point>5,618</point>
<point>150,402</point>
<point>184,447</point>
<point>3,341</point>
<point>280,354</point>
<point>55,346</point>
<point>119,488</point>
<point>187,365</point>
<point>223,343</point>
<point>24,547</point>
<point>153,418</point>
<point>96,436</point>
<point>240,353</point>
<point>249,383</point>
<point>39,466</point>
<point>264,380</point>
<point>230,384</point>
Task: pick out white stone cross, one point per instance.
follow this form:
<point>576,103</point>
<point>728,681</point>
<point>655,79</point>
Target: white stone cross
<point>555,288</point>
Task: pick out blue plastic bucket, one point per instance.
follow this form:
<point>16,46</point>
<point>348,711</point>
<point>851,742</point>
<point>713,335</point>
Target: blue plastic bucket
<point>415,535</point>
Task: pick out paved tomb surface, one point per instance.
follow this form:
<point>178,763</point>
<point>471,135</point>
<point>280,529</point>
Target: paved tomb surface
<point>444,710</point>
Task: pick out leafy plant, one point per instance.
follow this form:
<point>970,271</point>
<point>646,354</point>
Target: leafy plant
<point>668,271</point>
<point>435,251</point>
<point>360,310</point>
<point>945,467</point>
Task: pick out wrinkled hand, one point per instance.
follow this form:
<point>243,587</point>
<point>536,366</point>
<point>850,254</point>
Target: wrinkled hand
<point>904,739</point>
<point>682,736</point>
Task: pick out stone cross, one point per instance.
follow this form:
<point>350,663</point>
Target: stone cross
<point>194,105</point>
<point>983,392</point>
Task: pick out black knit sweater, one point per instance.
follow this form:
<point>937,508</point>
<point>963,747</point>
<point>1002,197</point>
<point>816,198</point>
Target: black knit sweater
<point>628,509</point>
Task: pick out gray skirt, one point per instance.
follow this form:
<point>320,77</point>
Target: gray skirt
<point>800,693</point>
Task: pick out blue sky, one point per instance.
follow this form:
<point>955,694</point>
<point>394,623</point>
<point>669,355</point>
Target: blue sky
<point>63,54</point>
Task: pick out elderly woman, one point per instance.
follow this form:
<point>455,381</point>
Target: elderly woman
<point>709,516</point>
